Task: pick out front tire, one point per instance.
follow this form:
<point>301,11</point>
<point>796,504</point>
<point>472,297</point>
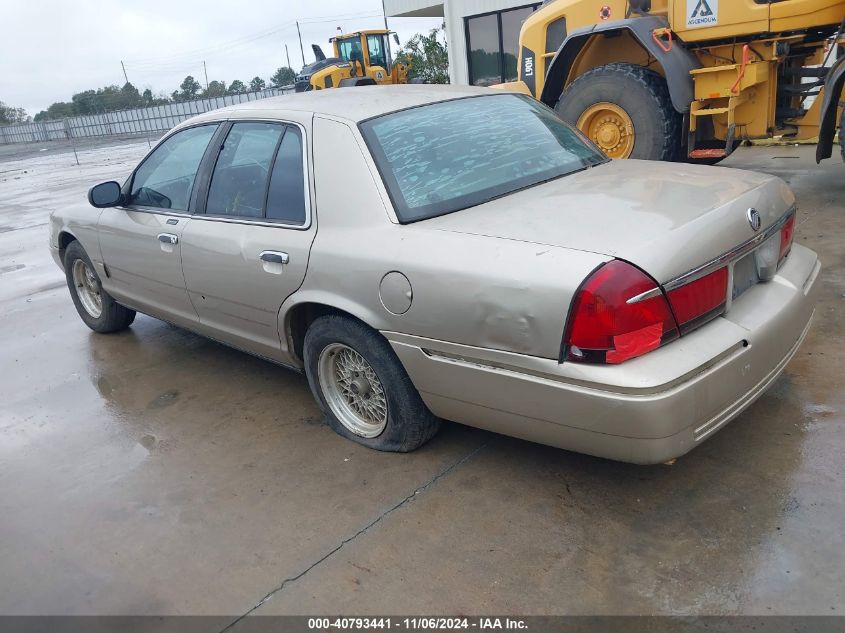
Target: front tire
<point>625,109</point>
<point>97,309</point>
<point>362,388</point>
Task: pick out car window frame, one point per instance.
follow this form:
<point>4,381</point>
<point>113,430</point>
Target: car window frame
<point>201,211</point>
<point>126,190</point>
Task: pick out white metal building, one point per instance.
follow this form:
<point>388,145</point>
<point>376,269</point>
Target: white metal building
<point>483,35</point>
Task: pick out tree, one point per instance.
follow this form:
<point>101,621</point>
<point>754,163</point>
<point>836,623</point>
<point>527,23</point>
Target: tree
<point>106,99</point>
<point>190,88</point>
<point>284,76</point>
<point>427,56</point>
<point>149,99</point>
<point>236,87</point>
<point>215,89</point>
<point>256,84</point>
<point>85,102</point>
<point>10,114</point>
<point>58,110</point>
<point>131,98</point>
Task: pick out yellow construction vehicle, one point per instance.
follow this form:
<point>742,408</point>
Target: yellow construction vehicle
<point>360,59</point>
<point>688,79</point>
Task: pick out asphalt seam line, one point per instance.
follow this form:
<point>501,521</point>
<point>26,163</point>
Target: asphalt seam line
<point>363,530</point>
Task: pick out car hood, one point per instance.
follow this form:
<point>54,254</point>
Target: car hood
<point>666,218</point>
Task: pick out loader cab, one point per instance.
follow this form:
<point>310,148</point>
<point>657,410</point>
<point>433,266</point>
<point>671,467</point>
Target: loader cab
<point>368,52</point>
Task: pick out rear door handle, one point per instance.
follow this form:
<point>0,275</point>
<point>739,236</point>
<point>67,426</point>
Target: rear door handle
<point>168,238</point>
<point>274,257</point>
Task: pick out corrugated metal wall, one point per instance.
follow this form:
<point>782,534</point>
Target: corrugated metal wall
<point>140,121</point>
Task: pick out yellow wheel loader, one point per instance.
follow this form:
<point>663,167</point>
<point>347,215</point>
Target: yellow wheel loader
<point>360,59</point>
<point>688,79</point>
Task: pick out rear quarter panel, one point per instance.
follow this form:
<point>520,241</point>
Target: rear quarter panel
<point>470,289</point>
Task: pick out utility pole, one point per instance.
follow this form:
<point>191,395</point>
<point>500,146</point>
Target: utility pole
<point>301,50</point>
<point>287,55</point>
<point>205,71</point>
<point>124,71</point>
<point>384,11</point>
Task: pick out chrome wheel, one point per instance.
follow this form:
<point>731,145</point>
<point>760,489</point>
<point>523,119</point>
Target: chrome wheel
<point>352,390</point>
<point>87,288</point>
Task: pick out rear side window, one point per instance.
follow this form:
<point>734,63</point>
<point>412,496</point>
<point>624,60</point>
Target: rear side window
<point>166,178</point>
<point>239,181</point>
<point>286,197</point>
<point>451,155</point>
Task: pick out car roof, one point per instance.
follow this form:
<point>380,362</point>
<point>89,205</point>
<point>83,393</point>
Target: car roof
<point>353,104</point>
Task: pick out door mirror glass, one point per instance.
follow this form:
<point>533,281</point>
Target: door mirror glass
<point>106,194</point>
<point>396,39</point>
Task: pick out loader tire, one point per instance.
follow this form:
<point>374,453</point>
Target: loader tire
<point>842,134</point>
<point>626,110</point>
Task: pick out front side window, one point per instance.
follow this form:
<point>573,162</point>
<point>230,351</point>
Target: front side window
<point>451,155</point>
<point>166,178</point>
<point>375,46</point>
<point>239,181</point>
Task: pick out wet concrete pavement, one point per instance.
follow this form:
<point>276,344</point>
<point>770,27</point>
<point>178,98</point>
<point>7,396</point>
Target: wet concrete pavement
<point>156,472</point>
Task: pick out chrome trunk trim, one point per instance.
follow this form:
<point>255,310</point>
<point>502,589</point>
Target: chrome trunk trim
<point>729,257</point>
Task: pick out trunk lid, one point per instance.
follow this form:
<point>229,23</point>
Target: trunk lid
<point>666,218</point>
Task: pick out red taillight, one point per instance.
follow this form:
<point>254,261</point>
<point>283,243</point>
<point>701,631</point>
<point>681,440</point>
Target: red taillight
<point>698,301</point>
<point>604,327</point>
<point>787,233</point>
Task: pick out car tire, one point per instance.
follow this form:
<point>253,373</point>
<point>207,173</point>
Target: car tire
<point>97,309</point>
<point>603,100</point>
<point>362,388</point>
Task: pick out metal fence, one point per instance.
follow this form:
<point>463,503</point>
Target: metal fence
<point>124,122</point>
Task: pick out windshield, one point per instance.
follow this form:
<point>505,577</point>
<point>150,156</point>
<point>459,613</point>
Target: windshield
<point>447,156</point>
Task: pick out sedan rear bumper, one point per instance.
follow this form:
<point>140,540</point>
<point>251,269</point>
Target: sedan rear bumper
<point>648,410</point>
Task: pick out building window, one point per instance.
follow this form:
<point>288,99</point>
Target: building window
<point>493,45</point>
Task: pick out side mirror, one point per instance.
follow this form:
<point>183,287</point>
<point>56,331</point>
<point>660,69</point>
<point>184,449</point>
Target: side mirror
<point>396,39</point>
<point>106,194</point>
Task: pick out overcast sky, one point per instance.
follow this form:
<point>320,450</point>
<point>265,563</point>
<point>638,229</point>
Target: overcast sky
<point>50,49</point>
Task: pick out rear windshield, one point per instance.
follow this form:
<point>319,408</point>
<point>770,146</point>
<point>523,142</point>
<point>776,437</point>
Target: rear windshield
<point>447,156</point>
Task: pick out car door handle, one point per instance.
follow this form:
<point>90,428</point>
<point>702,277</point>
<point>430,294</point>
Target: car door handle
<point>168,238</point>
<point>274,257</point>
